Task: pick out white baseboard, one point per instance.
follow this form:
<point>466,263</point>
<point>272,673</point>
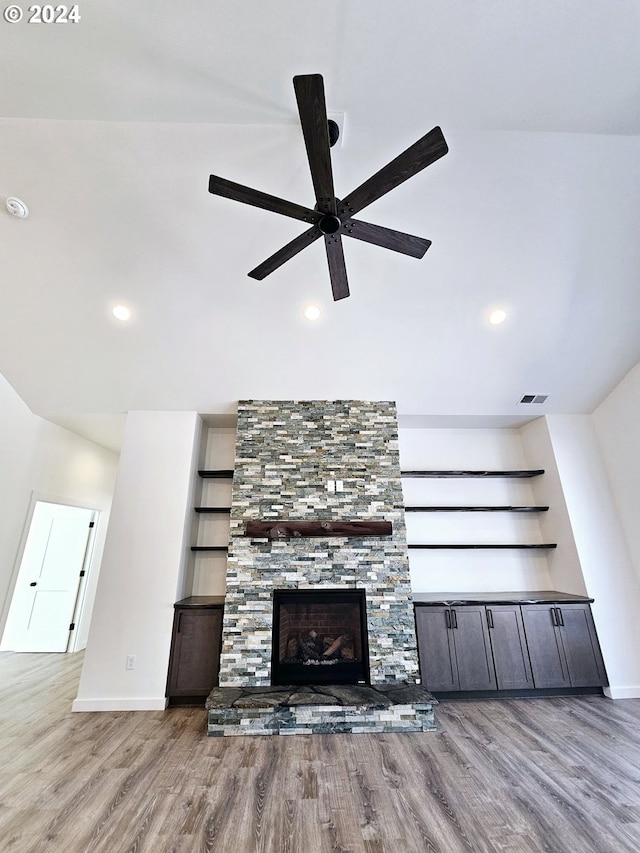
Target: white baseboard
<point>622,692</point>
<point>119,704</point>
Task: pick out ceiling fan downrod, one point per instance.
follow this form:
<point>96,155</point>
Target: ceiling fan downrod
<point>334,132</point>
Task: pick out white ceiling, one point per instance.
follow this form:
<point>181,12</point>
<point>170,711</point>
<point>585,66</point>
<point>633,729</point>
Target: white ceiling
<point>109,129</point>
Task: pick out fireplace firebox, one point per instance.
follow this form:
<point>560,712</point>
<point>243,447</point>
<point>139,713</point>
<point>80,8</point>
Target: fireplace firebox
<point>319,637</point>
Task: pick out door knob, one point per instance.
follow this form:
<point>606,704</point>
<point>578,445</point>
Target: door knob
<point>33,583</point>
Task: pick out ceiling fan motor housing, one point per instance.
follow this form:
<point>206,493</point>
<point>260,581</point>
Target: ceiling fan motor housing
<point>330,223</point>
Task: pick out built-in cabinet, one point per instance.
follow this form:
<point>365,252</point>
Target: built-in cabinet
<point>509,647</point>
<point>493,643</point>
<point>195,649</point>
<point>194,661</point>
<point>469,645</point>
<point>459,654</point>
<point>563,645</point>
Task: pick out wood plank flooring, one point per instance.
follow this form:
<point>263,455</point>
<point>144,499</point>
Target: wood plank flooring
<point>510,776</point>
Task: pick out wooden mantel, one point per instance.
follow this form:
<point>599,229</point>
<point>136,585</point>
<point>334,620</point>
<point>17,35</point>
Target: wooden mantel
<point>278,529</point>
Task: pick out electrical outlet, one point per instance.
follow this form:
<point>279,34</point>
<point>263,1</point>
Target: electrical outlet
<point>131,661</point>
<point>339,486</point>
<point>331,485</point>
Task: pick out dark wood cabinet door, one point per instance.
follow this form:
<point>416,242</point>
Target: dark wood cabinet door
<point>195,655</point>
<point>546,651</point>
<point>509,646</point>
<point>435,645</point>
<point>472,648</point>
<point>581,647</point>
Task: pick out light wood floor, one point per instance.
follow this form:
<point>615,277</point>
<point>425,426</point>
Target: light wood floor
<point>515,775</point>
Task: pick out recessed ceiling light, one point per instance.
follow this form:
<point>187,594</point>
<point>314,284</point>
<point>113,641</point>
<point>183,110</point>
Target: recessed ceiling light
<point>312,312</point>
<point>499,315</point>
<point>121,312</point>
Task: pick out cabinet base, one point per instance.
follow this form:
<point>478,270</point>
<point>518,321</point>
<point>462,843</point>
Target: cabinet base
<point>186,701</point>
<point>533,693</point>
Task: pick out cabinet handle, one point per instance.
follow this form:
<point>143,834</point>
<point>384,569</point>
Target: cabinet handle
<point>489,618</point>
<point>559,617</point>
<point>179,622</point>
<point>447,618</point>
<point>554,618</point>
<point>455,619</point>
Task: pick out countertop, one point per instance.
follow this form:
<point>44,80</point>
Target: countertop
<point>545,596</point>
<point>201,601</point>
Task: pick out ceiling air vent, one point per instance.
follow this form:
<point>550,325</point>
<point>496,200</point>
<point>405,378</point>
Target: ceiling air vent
<point>534,398</point>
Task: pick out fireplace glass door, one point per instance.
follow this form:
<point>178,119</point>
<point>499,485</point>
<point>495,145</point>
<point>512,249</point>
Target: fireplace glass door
<point>319,637</point>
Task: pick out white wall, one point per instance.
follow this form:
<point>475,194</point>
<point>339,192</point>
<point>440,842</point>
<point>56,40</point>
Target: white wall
<point>41,460</point>
<point>144,564</point>
<point>18,428</point>
<point>604,555</point>
<point>617,424</point>
<point>565,571</point>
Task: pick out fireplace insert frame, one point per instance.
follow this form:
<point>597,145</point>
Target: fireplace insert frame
<point>339,672</point>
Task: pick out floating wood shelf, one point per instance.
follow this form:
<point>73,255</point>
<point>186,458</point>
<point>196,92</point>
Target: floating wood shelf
<point>209,474</point>
<point>483,546</point>
<point>221,509</point>
<point>209,547</point>
<point>523,473</point>
<point>275,529</point>
<point>476,508</point>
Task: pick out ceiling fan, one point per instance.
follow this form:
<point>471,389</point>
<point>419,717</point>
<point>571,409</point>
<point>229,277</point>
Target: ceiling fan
<point>332,217</point>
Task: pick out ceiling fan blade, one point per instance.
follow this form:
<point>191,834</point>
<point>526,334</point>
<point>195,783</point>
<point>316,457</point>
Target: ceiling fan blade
<point>238,192</point>
<point>417,157</point>
<point>309,89</point>
<point>337,268</point>
<point>285,253</point>
<point>397,241</point>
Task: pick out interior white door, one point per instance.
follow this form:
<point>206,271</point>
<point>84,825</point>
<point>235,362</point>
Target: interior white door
<point>47,586</point>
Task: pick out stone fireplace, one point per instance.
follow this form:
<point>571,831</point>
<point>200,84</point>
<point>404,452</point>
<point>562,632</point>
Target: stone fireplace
<point>288,453</point>
<point>287,664</point>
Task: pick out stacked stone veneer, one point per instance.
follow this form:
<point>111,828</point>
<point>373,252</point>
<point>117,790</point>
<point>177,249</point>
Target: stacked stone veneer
<point>286,451</point>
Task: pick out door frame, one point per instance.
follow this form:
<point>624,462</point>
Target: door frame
<point>87,566</point>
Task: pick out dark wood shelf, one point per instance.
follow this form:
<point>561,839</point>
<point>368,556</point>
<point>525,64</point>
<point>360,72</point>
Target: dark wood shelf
<point>503,547</point>
<point>476,508</point>
<point>217,474</point>
<point>220,509</point>
<point>517,474</point>
<point>209,547</point>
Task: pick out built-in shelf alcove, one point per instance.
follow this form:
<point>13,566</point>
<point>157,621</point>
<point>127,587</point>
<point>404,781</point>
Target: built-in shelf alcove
<point>319,637</point>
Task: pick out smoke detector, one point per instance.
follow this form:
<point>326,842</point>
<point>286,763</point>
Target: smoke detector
<point>17,208</point>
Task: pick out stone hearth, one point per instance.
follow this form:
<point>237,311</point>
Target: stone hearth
<point>326,709</point>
